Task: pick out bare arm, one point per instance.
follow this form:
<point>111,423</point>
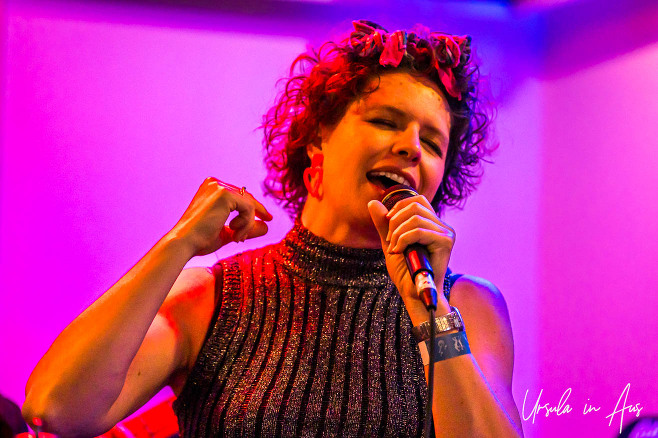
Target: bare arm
<point>477,386</point>
<point>120,350</point>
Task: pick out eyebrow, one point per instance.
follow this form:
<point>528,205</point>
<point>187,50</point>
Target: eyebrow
<point>400,113</point>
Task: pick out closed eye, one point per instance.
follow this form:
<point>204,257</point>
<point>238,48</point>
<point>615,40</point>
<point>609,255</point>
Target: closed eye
<point>435,148</point>
<point>383,122</point>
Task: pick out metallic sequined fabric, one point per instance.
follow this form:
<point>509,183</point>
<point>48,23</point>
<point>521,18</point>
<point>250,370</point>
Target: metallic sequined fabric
<point>309,339</point>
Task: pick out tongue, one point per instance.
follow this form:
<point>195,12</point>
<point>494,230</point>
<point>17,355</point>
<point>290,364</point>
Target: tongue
<point>381,181</point>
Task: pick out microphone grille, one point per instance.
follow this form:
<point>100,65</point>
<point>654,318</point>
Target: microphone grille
<point>397,193</point>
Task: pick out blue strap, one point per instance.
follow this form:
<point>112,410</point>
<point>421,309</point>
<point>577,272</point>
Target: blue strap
<point>448,346</point>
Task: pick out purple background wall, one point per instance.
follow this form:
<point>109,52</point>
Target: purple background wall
<point>113,113</point>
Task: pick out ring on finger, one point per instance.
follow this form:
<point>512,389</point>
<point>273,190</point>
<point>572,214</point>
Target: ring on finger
<point>240,190</point>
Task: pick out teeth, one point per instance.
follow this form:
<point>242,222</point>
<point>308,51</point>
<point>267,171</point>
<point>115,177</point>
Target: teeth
<point>395,177</point>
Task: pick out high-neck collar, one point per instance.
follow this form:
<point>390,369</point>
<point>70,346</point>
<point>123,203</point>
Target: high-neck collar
<point>317,259</point>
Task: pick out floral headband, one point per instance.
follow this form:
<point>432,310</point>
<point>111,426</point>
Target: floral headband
<point>442,50</point>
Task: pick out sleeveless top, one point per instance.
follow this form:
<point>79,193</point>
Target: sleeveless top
<point>307,339</point>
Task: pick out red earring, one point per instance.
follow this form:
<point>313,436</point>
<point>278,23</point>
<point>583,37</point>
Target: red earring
<point>313,176</point>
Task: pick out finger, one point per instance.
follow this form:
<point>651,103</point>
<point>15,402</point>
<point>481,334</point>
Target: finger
<point>261,211</point>
<point>244,221</point>
<point>412,223</point>
<point>226,235</point>
<point>378,215</point>
<point>249,222</point>
<point>260,228</point>
<point>238,222</point>
<point>400,205</point>
<point>250,227</point>
<point>409,211</point>
<point>425,237</point>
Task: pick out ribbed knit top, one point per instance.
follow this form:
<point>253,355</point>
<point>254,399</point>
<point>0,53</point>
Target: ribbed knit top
<point>308,339</point>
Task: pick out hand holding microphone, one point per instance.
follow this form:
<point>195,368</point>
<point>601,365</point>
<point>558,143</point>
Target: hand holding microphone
<point>417,246</point>
<point>416,242</point>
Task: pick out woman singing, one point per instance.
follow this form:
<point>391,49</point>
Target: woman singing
<point>322,333</point>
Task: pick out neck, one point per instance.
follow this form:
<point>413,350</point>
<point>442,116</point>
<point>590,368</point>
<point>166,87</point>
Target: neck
<point>340,229</point>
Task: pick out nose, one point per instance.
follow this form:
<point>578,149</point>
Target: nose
<point>408,144</point>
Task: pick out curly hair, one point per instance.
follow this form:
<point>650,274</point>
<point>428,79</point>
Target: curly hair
<point>324,82</point>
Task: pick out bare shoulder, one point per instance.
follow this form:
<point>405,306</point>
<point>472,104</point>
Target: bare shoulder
<point>487,324</point>
<point>189,308</point>
<point>191,282</point>
<point>477,295</point>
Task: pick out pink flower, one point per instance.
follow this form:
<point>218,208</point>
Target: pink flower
<point>449,82</point>
<point>447,50</point>
<point>394,49</point>
<point>367,38</point>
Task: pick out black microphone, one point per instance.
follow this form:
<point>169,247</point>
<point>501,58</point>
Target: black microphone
<point>416,255</point>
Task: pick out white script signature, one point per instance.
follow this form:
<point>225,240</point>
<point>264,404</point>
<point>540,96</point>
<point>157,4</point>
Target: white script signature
<point>563,407</point>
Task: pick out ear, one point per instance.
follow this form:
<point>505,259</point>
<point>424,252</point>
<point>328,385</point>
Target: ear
<point>312,149</point>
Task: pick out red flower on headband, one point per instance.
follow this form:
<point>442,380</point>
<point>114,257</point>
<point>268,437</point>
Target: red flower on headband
<point>421,51</point>
<point>447,54</point>
<point>366,39</point>
<point>361,26</point>
<point>394,49</point>
<point>448,80</point>
<point>447,50</point>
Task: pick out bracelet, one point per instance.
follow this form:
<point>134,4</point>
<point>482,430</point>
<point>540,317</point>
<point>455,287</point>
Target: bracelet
<point>445,347</point>
<point>442,324</point>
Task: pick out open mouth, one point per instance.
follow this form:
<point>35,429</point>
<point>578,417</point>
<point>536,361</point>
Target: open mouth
<point>385,180</point>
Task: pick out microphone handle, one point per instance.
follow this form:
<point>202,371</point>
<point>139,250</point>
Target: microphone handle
<point>420,269</point>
